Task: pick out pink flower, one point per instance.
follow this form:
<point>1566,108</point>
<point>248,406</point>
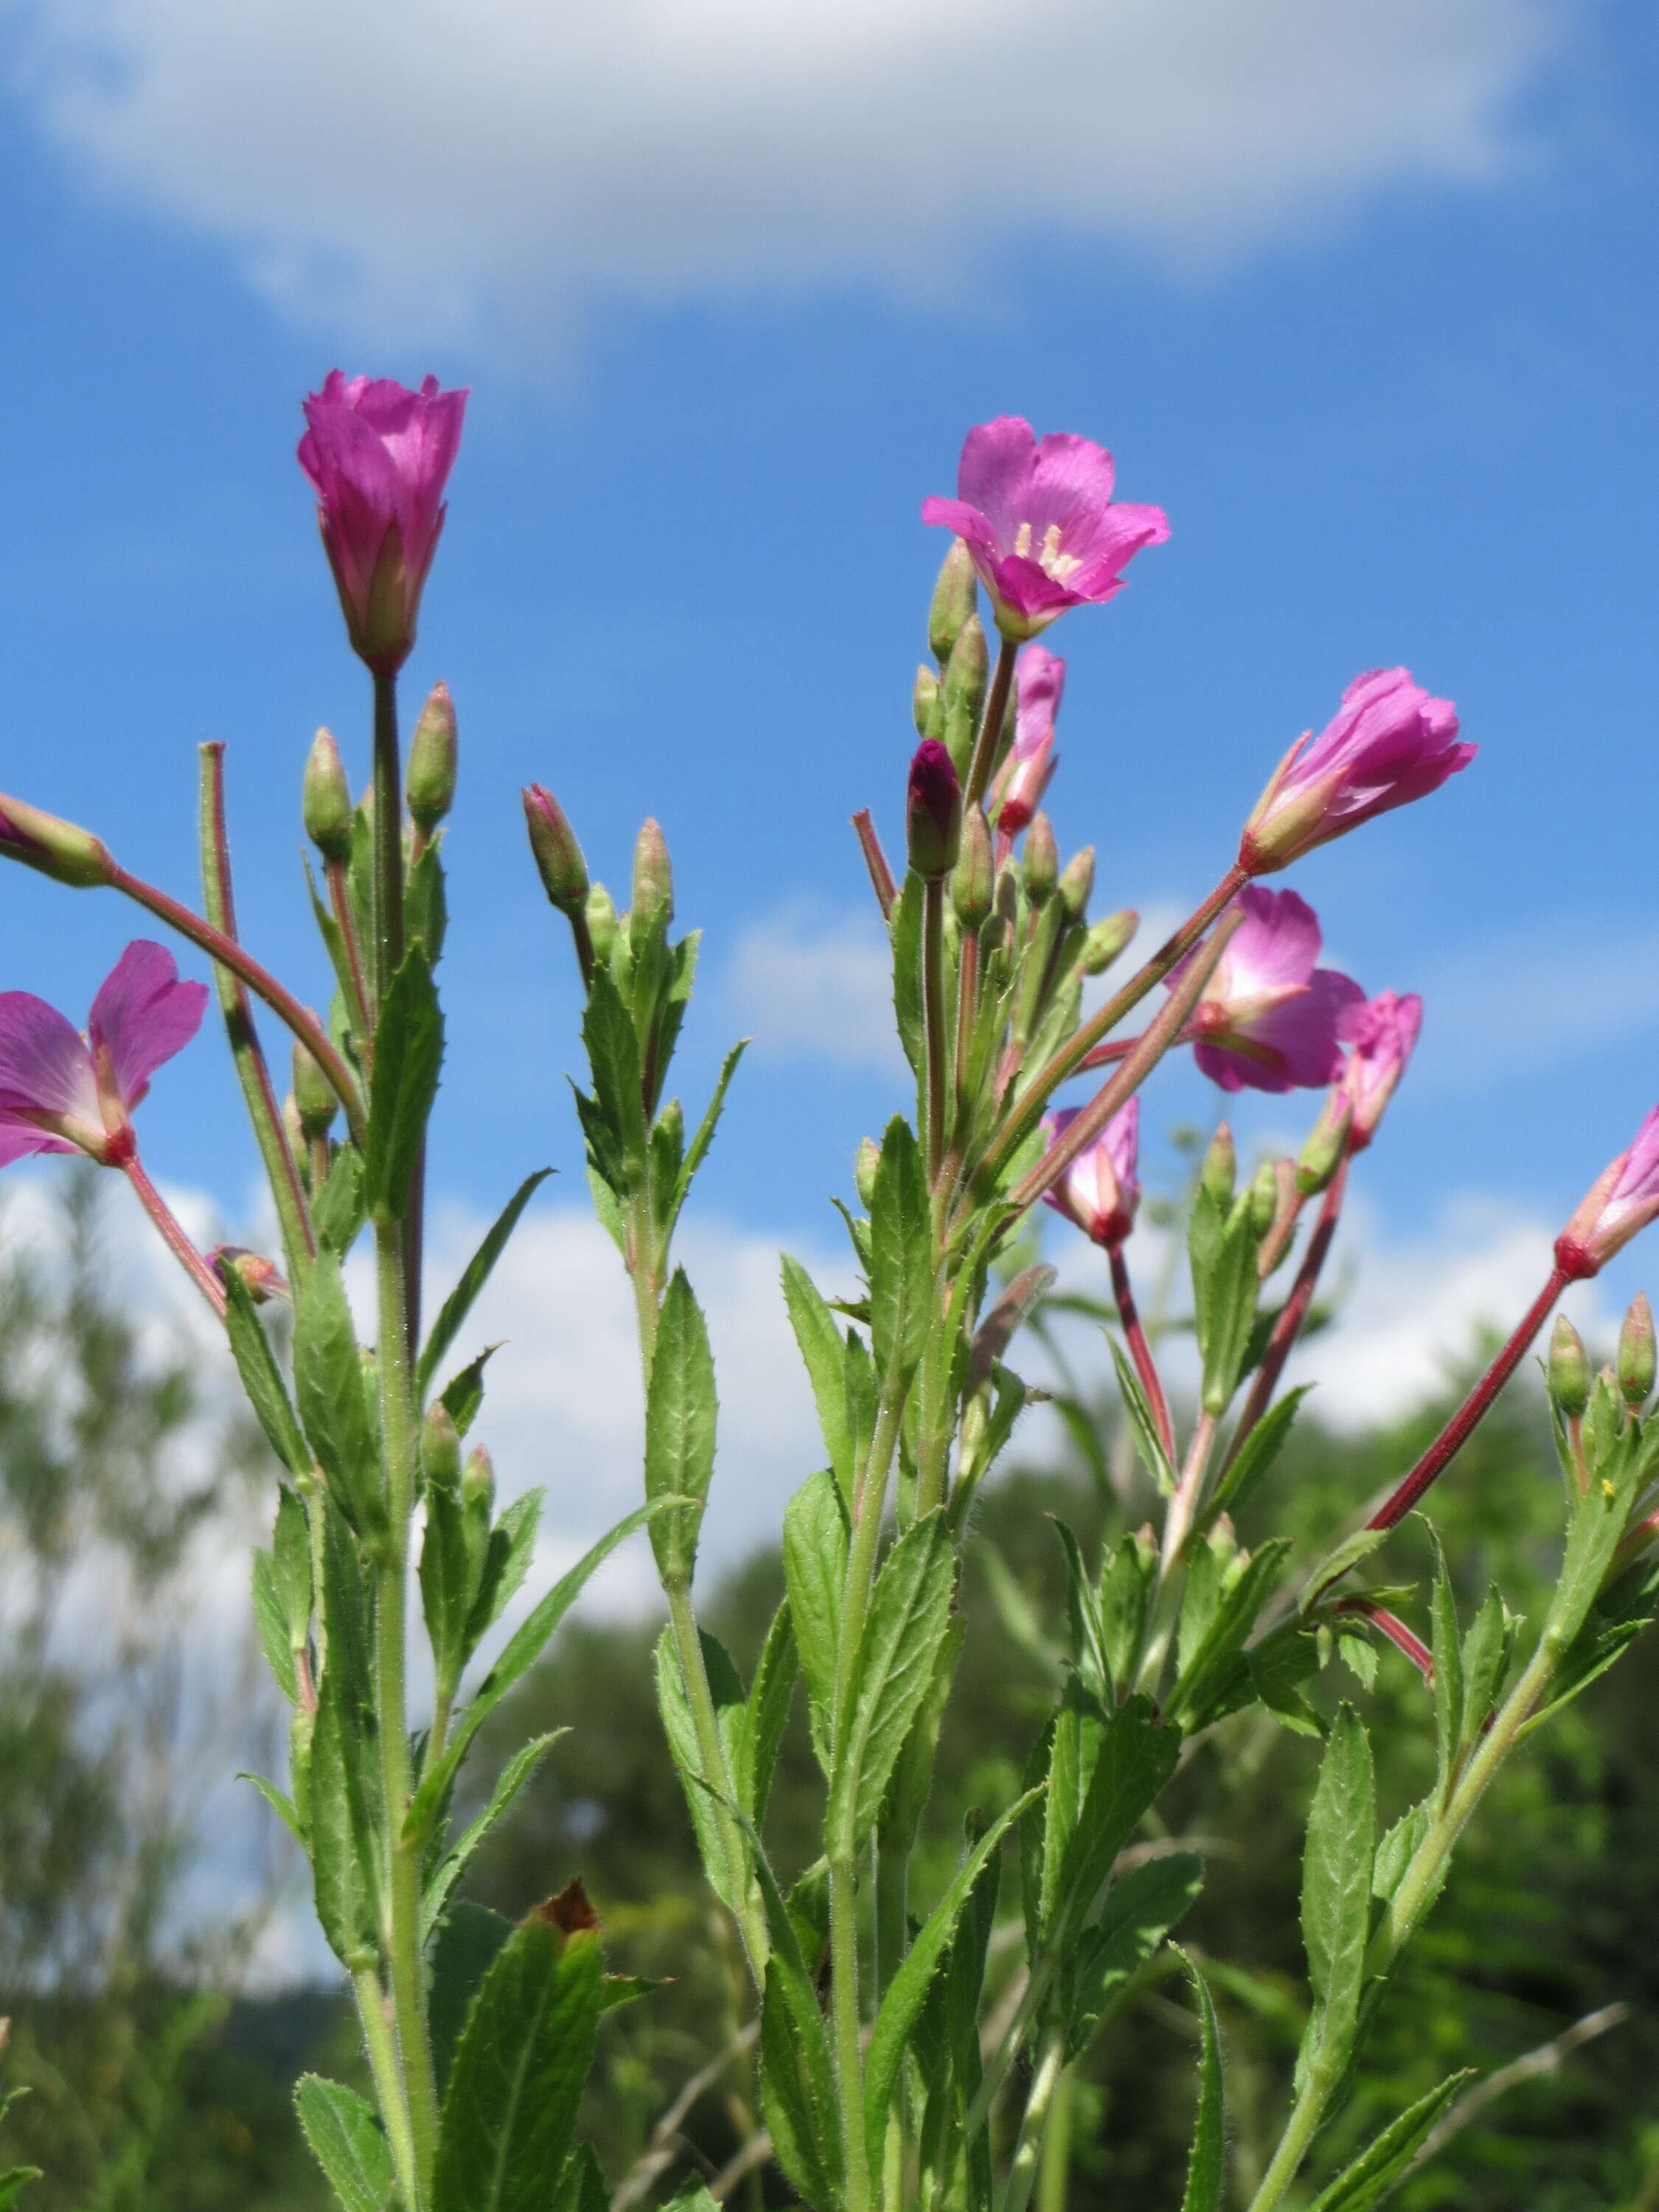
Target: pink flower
<point>1026,771</point>
<point>1389,744</point>
<point>1040,521</point>
<point>1621,1200</point>
<point>1269,1018</point>
<point>1099,1191</point>
<point>1383,1036</point>
<point>379,455</point>
<point>61,1092</point>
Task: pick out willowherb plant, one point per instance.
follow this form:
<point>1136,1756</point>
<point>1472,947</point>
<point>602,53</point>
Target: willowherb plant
<point>888,2077</point>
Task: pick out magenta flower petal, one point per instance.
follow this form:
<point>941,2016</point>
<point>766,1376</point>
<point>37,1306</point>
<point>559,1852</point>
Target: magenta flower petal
<point>1383,1035</point>
<point>1039,519</point>
<point>1270,1019</point>
<point>45,1066</point>
<point>1100,1191</point>
<point>142,1015</point>
<point>1621,1201</point>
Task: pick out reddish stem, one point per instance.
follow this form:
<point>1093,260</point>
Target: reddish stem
<point>1139,1350</point>
<point>339,897</point>
<point>1475,1409</point>
<point>990,728</point>
<point>1291,1314</point>
<point>881,876</point>
<point>1403,1639</point>
<point>173,1235</point>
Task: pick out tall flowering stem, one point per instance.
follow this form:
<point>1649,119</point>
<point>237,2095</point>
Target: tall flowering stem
<point>174,1237</point>
<point>1293,1315</point>
<point>991,721</point>
<point>1134,1335</point>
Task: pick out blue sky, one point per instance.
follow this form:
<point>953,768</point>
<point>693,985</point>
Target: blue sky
<point>1361,304</point>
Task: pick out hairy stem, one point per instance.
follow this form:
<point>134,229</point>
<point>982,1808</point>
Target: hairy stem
<point>990,727</point>
<point>1293,1315</point>
<point>1139,1350</point>
<point>934,1020</point>
<point>173,1235</point>
<point>388,2087</point>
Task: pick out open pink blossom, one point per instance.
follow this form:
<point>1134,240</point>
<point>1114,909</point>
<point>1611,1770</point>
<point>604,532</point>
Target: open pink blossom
<point>1039,519</point>
<point>1621,1200</point>
<point>1389,743</point>
<point>1383,1036</point>
<point>1100,1191</point>
<point>1025,774</point>
<point>63,1092</point>
<point>379,455</point>
<point>1270,1017</point>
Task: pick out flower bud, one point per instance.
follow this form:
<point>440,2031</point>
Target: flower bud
<point>1568,1369</point>
<point>1108,939</point>
<point>440,1448</point>
<point>478,1479</point>
<point>963,693</point>
<point>932,812</point>
<point>956,595</point>
<point>1041,864</point>
<point>429,786</point>
<point>864,1171</point>
<point>293,1127</point>
<point>63,851</point>
<point>653,882</point>
<point>1636,1358</point>
<point>259,1276</point>
<point>973,883</point>
<point>1327,1140</point>
<point>326,800</point>
<point>1219,1173</point>
<point>557,855</point>
<point>313,1094</point>
<point>1264,1197</point>
<point>601,922</point>
<point>927,704</point>
<point>1077,884</point>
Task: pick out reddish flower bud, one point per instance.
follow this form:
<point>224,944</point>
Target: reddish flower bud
<point>1638,1356</point>
<point>557,855</point>
<point>1623,1200</point>
<point>59,849</point>
<point>932,812</point>
<point>258,1275</point>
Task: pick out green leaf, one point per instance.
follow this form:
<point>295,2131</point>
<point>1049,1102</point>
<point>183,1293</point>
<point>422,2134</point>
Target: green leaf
<point>426,914</point>
<point>409,1051</point>
<point>328,1377</point>
<point>1222,1246</point>
<point>506,1562</point>
<point>1206,2164</point>
<point>1253,1461</point>
<point>900,2008</point>
<point>1088,1644</point>
<point>463,1395</point>
<point>1373,2174</point>
<point>1138,1405</point>
<point>819,1338</point>
<point>730,1715</point>
<point>467,1944</point>
<point>766,1715</point>
<point>344,1854</point>
<point>1202,1680</point>
<point>1126,1590</point>
<point>342,1204</point>
<point>1138,1756</point>
<point>1336,1564</point>
<point>912,1784</point>
<point>524,1648</point>
<point>680,1410</point>
<point>906,926</point>
<point>908,1615</point>
<point>815,1541</point>
<point>1336,1892</point>
<point>694,2197</point>
<point>797,2096</point>
<point>256,1364</point>
<point>270,1617</point>
<point>1141,1907</point>
<point>613,1118</point>
<point>697,1151</point>
<point>448,1584</point>
<point>1485,1659</point>
<point>583,2186</point>
<point>1447,1646</point>
<point>512,1779</point>
<point>475,1274</point>
<point>279,1802</point>
<point>13,2182</point>
<point>900,1255</point>
<point>346,2140</point>
<point>519,2071</point>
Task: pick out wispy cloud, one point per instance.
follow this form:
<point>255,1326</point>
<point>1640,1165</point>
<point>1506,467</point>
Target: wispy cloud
<point>810,983</point>
<point>422,168</point>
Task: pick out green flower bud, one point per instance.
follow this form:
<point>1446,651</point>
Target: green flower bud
<point>293,1127</point>
<point>602,921</point>
<point>1107,939</point>
<point>478,1479</point>
<point>440,1448</point>
<point>1328,1142</point>
<point>58,849</point>
<point>927,704</point>
<point>429,784</point>
<point>653,882</point>
<point>1568,1369</point>
<point>1077,884</point>
<point>973,885</point>
<point>1264,1198</point>
<point>553,845</point>
<point>864,1171</point>
<point>326,800</point>
<point>1219,1174</point>
<point>963,693</point>
<point>1041,862</point>
<point>1637,1352</point>
<point>956,595</point>
<point>313,1095</point>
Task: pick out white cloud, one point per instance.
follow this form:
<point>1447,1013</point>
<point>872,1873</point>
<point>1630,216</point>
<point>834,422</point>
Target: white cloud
<point>1536,998</point>
<point>814,985</point>
<point>414,167</point>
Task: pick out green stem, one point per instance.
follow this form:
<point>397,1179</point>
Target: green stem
<point>1022,2173</point>
<point>990,728</point>
<point>934,1024</point>
<point>388,2088</point>
<point>1054,2181</point>
<point>388,839</point>
<point>849,2059</point>
<point>282,1170</point>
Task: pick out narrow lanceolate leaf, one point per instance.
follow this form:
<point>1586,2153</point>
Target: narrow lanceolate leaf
<point>280,1803</point>
<point>409,1051</point>
<point>1336,1891</point>
<point>1137,1757</point>
<point>694,2197</point>
<point>613,1118</point>
<point>583,2186</point>
<point>524,2055</point>
<point>346,2140</point>
<point>468,1942</point>
<point>513,1775</point>
<point>909,1616</point>
<point>1141,1907</point>
<point>900,1253</point>
<point>1373,2174</point>
<point>1254,1460</point>
<point>704,1792</point>
<point>270,1617</point>
<point>797,2099</point>
<point>476,1272</point>
<point>262,1379</point>
<point>1206,2164</point>
<point>1138,1405</point>
<point>900,2008</point>
<point>819,1338</point>
<point>697,1150</point>
<point>766,1715</point>
<point>679,1428</point>
<point>345,1856</point>
<point>814,1540</point>
<point>328,1378</point>
<point>1223,1248</point>
<point>1448,1670</point>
